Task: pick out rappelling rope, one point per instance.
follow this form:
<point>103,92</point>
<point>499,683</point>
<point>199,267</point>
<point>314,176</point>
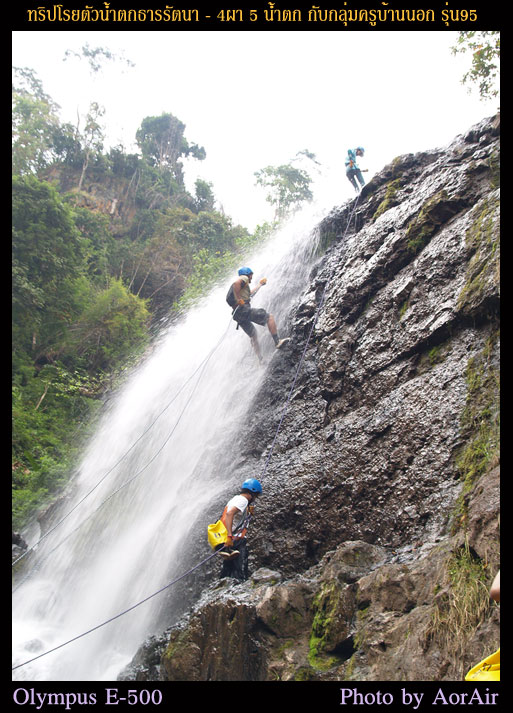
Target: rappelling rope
<point>117,616</point>
<point>300,364</point>
<point>207,559</point>
<point>202,366</point>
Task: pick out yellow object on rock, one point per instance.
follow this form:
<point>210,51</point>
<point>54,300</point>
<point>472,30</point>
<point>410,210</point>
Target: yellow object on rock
<point>487,670</point>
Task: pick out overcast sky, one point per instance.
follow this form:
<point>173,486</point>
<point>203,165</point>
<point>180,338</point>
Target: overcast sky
<point>253,99</point>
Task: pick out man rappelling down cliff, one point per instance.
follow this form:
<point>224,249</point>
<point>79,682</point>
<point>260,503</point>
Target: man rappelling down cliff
<point>353,171</point>
<point>239,298</point>
<point>228,534</point>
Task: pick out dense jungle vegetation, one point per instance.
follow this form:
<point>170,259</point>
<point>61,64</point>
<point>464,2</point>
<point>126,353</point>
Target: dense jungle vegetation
<point>106,244</point>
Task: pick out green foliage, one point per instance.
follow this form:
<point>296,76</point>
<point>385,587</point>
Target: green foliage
<point>109,328</point>
<point>462,606</point>
<point>212,267</point>
<point>94,55</point>
<point>51,414</point>
<point>327,604</point>
<point>66,146</point>
<point>389,200</point>
<point>46,236</point>
<point>486,49</point>
<point>204,196</point>
<point>162,142</point>
<point>483,239</point>
<point>103,243</point>
<point>480,420</point>
<point>422,228</point>
<point>122,165</point>
<point>92,139</point>
<point>287,187</point>
<point>480,426</point>
<point>34,121</point>
<point>98,241</point>
<point>47,253</point>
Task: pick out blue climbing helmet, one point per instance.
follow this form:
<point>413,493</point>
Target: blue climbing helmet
<point>253,485</point>
<point>245,271</point>
<point>360,148</point>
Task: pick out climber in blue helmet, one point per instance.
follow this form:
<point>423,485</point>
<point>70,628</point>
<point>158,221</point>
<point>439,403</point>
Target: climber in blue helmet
<point>239,298</point>
<point>235,518</point>
<point>353,171</point>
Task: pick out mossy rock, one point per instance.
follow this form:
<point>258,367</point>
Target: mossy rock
<point>436,211</point>
<point>390,200</point>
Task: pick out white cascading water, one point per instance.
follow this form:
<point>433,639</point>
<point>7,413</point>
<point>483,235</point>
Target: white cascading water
<point>117,546</point>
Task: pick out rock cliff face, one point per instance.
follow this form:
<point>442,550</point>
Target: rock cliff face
<point>378,535</point>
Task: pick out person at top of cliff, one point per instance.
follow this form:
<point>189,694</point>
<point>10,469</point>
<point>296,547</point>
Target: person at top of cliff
<point>239,298</point>
<point>235,517</point>
<point>353,171</point>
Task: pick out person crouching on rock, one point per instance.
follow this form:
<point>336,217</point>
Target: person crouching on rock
<point>235,518</point>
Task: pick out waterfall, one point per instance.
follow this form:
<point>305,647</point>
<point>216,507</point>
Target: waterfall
<point>148,476</point>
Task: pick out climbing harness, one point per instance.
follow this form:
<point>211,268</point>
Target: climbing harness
<point>217,534</point>
<point>245,520</point>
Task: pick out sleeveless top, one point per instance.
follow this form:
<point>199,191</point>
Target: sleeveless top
<point>245,291</point>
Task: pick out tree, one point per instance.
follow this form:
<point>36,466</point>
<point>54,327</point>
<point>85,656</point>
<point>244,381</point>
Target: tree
<point>66,146</point>
<point>288,187</point>
<point>485,48</point>
<point>93,55</point>
<point>34,123</point>
<point>99,243</point>
<point>157,276</point>
<point>48,251</point>
<point>110,328</point>
<point>47,240</point>
<point>92,137</point>
<point>204,196</point>
<point>162,143</point>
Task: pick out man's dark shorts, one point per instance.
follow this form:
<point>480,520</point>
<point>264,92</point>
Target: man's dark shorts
<point>246,315</point>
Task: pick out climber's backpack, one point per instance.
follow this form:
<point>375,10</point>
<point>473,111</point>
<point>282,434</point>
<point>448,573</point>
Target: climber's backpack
<point>216,534</point>
<point>230,297</point>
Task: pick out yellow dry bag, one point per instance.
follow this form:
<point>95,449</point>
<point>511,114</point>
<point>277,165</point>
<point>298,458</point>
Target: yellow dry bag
<point>217,534</point>
<point>487,670</point>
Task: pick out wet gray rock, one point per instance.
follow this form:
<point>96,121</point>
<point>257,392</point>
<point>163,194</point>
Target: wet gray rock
<point>385,467</point>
